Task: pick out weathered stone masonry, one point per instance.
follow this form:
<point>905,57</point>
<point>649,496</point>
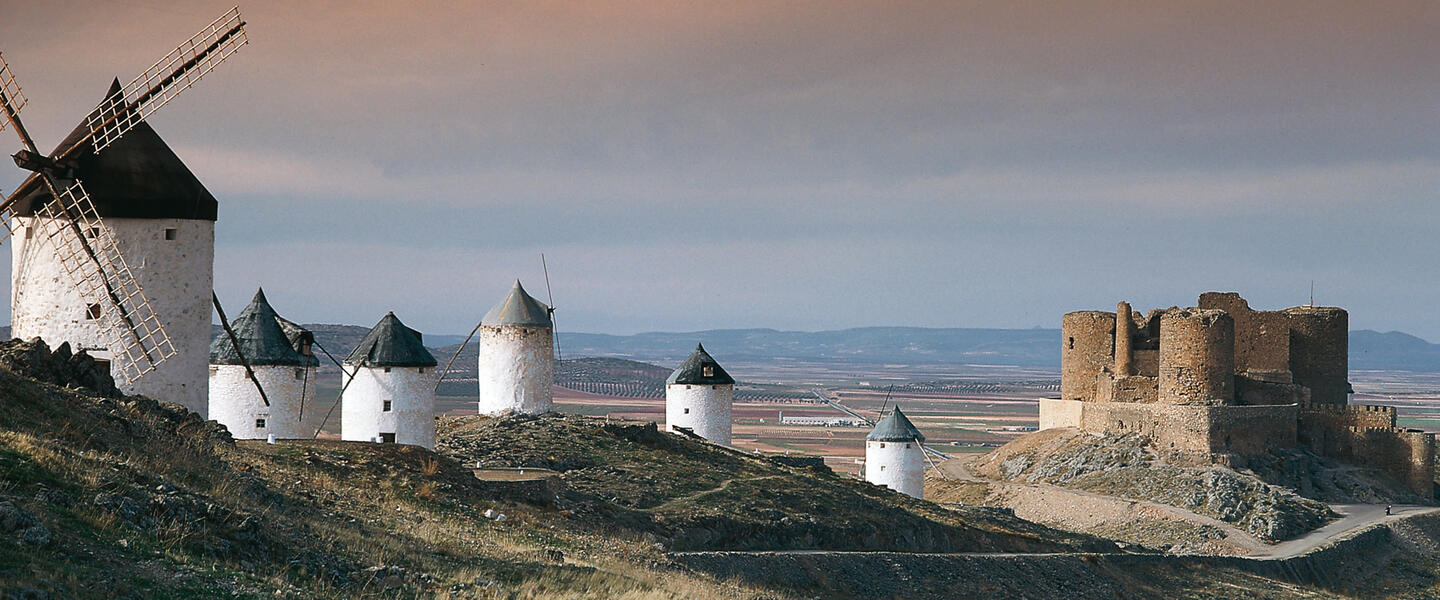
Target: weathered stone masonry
<point>1221,381</point>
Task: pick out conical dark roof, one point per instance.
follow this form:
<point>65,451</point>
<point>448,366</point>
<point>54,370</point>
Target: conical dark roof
<point>692,371</point>
<point>518,309</point>
<point>137,176</point>
<point>265,338</point>
<point>895,427</point>
<point>391,344</point>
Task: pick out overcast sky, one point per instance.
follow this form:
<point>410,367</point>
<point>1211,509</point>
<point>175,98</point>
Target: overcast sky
<point>804,165</point>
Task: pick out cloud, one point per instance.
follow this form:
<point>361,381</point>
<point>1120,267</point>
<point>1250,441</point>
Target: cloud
<point>813,164</point>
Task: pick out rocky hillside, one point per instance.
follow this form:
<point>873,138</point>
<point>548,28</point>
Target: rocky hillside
<point>109,496</point>
<point>103,496</point>
<point>687,495</point>
<point>1124,467</point>
<point>126,497</point>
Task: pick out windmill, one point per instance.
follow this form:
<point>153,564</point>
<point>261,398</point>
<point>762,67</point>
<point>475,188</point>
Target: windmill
<point>549,311</point>
<point>84,246</point>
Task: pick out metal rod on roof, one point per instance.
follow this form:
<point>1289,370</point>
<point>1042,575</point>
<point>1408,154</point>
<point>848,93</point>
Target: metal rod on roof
<point>338,396</point>
<point>332,358</point>
<point>235,344</point>
<point>554,331</point>
<point>348,380</point>
<point>456,355</point>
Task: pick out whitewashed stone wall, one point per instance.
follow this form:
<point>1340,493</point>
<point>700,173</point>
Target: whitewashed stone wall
<point>517,368</point>
<point>1055,412</point>
<point>705,409</point>
<point>236,404</point>
<point>177,276</point>
<point>899,466</point>
<point>411,392</point>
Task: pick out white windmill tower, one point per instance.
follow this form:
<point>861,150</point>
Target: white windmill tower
<point>698,397</point>
<point>280,362</point>
<point>80,260</point>
<point>894,456</point>
<point>391,396</point>
<point>517,356</point>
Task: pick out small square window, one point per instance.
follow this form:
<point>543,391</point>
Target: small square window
<point>386,406</point>
<point>687,411</point>
<point>387,369</point>
<point>422,370</point>
<point>882,444</point>
<point>907,445</point>
<point>882,467</point>
<point>709,371</point>
<point>259,423</point>
<point>94,232</point>
<point>170,233</point>
<point>93,311</point>
<point>387,438</point>
<point>299,373</point>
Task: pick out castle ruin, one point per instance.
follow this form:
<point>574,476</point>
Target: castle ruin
<point>1220,382</point>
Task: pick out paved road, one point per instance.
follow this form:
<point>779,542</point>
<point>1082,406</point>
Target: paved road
<point>1355,517</point>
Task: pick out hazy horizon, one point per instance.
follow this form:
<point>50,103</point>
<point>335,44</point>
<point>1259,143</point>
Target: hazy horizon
<point>806,166</point>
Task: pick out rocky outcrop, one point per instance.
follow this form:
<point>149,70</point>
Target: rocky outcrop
<point>32,358</point>
<point>1124,467</point>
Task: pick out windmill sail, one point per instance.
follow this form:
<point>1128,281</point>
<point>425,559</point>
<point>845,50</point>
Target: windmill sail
<point>67,218</point>
<point>10,89</point>
<point>167,78</point>
<point>87,252</point>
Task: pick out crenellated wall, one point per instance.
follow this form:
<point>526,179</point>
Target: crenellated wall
<point>1183,433</point>
<point>1367,434</point>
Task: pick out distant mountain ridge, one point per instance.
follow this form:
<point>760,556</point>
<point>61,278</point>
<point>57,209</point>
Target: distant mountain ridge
<point>1369,350</point>
<point>1022,347</point>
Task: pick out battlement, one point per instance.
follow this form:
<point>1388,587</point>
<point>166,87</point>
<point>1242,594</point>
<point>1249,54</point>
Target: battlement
<point>1358,408</point>
<point>1222,381</point>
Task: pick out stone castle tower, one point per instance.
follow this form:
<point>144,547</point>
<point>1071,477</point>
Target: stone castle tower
<point>893,456</point>
<point>392,396</point>
<point>698,395</point>
<point>163,222</point>
<point>517,356</point>
<point>1223,383</point>
<point>279,352</point>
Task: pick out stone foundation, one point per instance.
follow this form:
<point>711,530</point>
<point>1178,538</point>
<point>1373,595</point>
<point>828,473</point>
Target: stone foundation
<point>1183,434</point>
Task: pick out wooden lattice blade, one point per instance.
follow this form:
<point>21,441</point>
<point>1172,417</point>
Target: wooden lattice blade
<point>87,252</point>
<point>6,217</point>
<point>10,93</point>
<point>165,79</point>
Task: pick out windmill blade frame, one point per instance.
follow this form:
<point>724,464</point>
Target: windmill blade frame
<point>164,80</point>
<point>90,258</point>
<point>102,277</point>
<point>10,90</point>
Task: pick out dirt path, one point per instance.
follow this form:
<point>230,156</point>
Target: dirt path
<point>720,487</point>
